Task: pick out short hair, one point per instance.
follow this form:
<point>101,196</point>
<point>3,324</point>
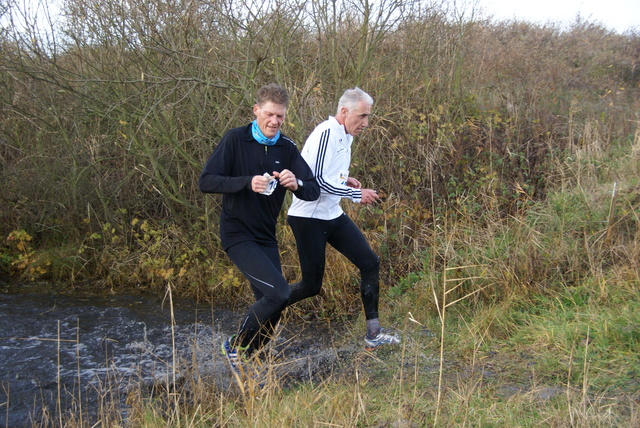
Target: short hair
<point>352,97</point>
<point>273,93</point>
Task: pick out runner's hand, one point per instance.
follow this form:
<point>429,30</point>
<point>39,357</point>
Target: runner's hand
<point>369,196</point>
<point>287,179</point>
<point>259,183</point>
<point>352,182</point>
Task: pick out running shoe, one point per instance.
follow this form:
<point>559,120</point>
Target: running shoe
<point>383,338</point>
<point>234,355</point>
<point>247,373</point>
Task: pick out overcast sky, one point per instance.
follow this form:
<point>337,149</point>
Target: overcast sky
<point>619,15</point>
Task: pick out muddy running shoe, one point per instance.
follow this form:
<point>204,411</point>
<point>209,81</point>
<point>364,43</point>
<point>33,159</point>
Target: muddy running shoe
<point>383,338</point>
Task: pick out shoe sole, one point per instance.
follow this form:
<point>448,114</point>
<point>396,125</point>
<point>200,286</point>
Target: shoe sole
<point>382,345</point>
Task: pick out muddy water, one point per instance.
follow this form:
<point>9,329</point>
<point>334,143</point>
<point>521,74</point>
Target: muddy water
<point>63,353</point>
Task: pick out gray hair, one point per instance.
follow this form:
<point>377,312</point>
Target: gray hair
<point>352,97</point>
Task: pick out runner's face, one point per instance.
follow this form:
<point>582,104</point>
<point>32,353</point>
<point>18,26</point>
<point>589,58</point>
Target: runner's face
<point>270,117</point>
<point>355,120</point>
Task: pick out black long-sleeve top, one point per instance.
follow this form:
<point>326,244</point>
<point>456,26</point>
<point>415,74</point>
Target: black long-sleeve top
<point>246,215</point>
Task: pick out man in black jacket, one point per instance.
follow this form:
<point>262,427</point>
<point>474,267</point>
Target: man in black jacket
<point>253,166</point>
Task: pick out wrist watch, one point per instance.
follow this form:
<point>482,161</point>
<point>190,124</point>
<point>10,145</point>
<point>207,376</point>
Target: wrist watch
<point>300,183</point>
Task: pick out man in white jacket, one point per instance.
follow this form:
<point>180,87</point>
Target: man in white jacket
<point>316,223</point>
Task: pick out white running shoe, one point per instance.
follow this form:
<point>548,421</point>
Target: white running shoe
<point>383,338</point>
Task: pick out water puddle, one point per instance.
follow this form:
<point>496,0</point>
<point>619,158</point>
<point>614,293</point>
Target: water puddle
<point>61,352</point>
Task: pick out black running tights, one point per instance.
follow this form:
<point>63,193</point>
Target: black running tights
<point>312,236</point>
<point>261,266</point>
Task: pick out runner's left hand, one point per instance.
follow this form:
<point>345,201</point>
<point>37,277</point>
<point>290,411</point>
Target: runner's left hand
<point>287,179</point>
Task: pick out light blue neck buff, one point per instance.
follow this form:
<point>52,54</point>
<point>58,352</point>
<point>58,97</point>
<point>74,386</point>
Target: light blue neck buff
<point>260,137</point>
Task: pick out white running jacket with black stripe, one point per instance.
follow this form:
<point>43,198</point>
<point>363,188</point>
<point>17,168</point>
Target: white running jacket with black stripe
<point>328,153</point>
